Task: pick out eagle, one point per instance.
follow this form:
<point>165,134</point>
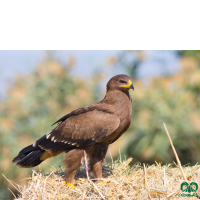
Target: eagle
<point>87,131</point>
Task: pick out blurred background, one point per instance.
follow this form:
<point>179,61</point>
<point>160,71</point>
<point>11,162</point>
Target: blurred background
<point>39,87</point>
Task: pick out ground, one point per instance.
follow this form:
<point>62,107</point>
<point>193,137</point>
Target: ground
<point>122,181</point>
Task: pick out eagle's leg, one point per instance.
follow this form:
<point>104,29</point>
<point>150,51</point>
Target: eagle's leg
<point>97,155</point>
<point>72,162</point>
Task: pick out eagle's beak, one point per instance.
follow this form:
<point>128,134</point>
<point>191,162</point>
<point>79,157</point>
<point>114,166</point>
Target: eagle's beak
<point>132,86</point>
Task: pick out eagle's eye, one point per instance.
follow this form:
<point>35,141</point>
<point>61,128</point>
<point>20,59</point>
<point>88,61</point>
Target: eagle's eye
<point>122,81</point>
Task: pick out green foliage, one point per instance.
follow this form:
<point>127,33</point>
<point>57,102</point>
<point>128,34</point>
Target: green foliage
<point>34,103</point>
<point>191,53</point>
<point>130,60</point>
<point>174,100</point>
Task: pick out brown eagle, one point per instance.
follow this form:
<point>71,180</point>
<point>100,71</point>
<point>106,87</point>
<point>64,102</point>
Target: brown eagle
<point>89,130</point>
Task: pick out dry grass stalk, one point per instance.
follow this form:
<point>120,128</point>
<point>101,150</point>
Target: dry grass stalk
<point>12,192</point>
<point>145,178</point>
<point>13,184</point>
<point>139,187</point>
<point>86,165</point>
<point>176,155</point>
<point>164,178</point>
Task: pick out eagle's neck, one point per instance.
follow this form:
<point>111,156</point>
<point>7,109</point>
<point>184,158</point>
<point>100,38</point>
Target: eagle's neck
<point>121,105</point>
<point>116,97</point>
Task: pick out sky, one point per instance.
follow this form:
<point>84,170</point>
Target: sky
<point>14,63</point>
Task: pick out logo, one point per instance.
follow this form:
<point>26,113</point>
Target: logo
<point>189,189</point>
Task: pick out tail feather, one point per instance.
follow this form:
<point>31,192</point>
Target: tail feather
<point>41,150</point>
<point>29,157</point>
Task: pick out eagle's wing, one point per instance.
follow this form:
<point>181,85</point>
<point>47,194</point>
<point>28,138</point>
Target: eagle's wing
<point>84,129</point>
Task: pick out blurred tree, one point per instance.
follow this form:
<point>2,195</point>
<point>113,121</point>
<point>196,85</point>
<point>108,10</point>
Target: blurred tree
<point>34,103</point>
<point>130,60</point>
<point>174,100</point>
<point>192,54</point>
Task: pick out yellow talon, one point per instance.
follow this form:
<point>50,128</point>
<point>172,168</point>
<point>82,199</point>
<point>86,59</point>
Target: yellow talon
<point>103,182</point>
<point>68,184</point>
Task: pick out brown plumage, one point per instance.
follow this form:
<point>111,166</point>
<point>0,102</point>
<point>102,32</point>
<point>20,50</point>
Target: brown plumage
<point>91,129</point>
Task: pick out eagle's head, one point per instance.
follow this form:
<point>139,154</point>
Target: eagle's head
<point>120,82</point>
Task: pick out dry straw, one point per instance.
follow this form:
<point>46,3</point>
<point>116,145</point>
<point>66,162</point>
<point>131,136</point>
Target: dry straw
<point>176,155</point>
<point>123,182</point>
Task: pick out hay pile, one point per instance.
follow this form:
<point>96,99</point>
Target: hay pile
<point>123,182</point>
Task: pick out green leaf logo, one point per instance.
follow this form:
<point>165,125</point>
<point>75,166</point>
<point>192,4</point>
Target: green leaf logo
<point>186,187</point>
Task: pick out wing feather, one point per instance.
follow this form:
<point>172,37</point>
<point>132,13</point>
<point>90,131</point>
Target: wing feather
<point>85,129</point>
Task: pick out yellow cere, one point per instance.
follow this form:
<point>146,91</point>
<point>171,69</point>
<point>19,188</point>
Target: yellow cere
<point>127,86</point>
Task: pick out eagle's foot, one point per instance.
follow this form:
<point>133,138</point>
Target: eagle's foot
<point>69,185</point>
<point>104,181</point>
